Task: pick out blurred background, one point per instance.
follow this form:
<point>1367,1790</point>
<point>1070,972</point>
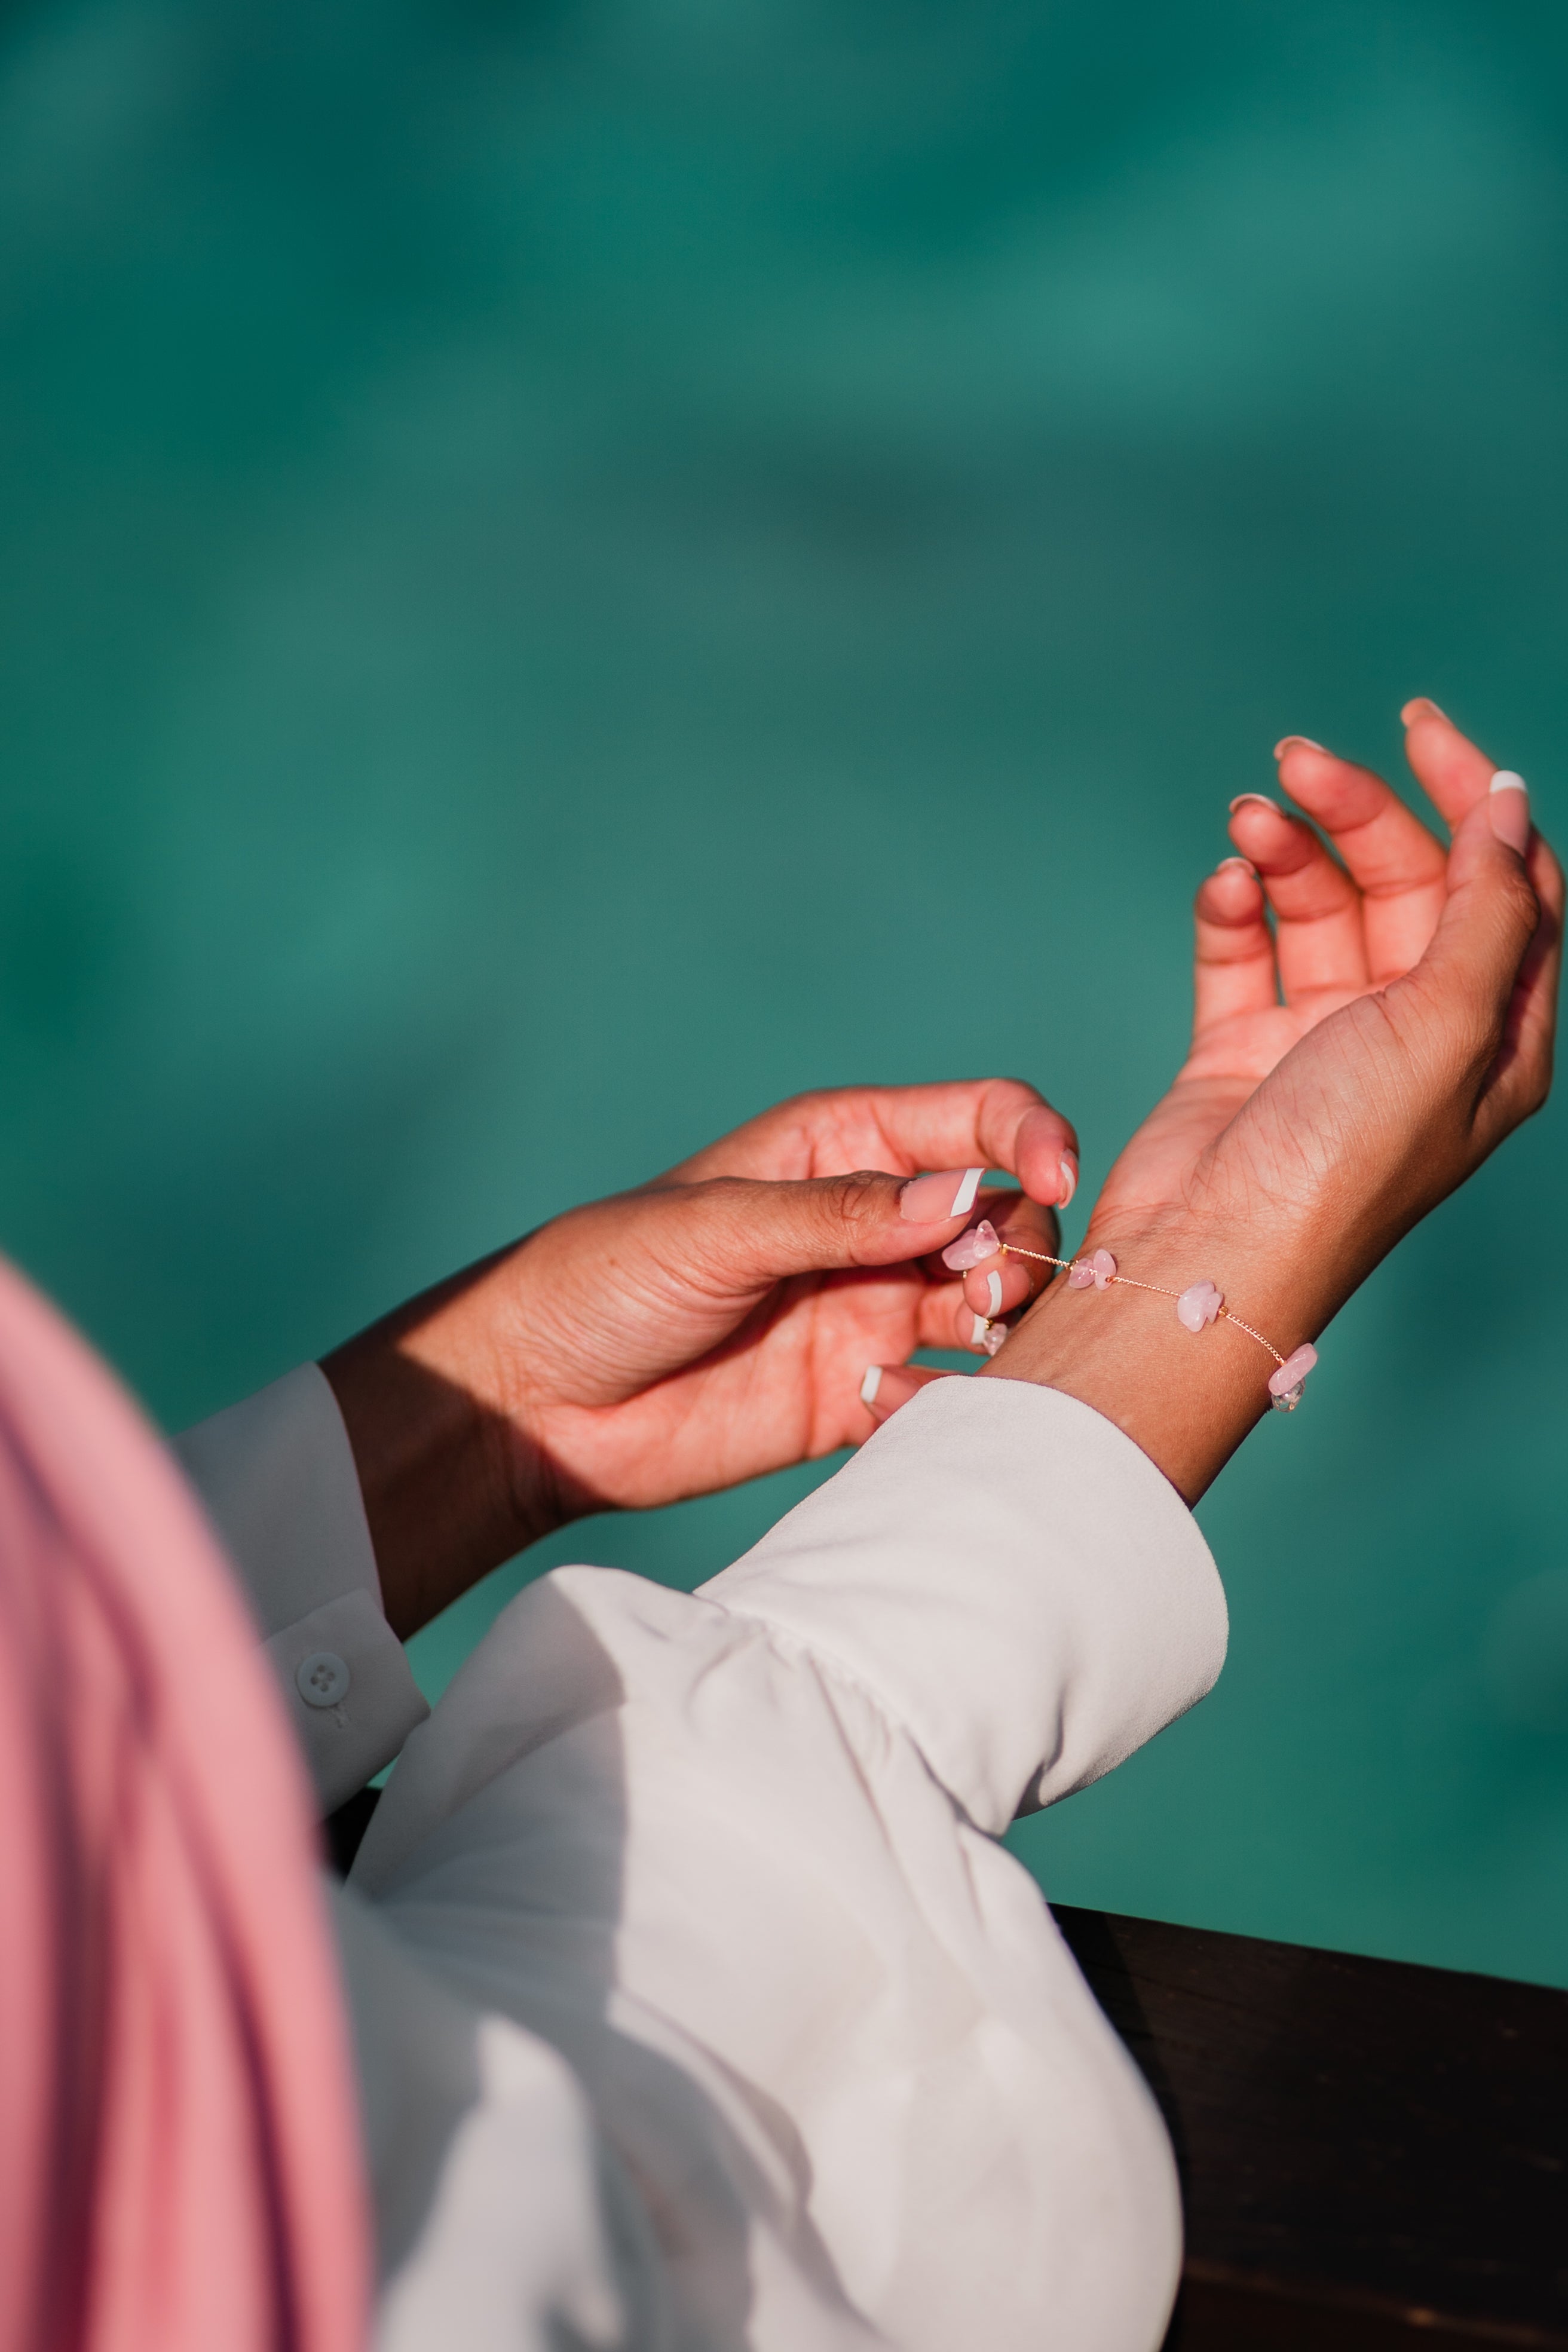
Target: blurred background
<point>572,569</point>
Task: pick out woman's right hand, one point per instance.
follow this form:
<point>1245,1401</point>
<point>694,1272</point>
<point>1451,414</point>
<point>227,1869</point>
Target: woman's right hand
<point>1303,1138</point>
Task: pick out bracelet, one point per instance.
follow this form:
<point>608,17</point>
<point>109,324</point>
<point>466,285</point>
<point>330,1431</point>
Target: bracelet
<point>1196,1306</point>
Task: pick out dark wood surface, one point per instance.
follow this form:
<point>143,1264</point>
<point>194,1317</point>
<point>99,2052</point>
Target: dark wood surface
<point>1371,2155</point>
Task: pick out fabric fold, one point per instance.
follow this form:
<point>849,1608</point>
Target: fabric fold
<point>1012,1580</point>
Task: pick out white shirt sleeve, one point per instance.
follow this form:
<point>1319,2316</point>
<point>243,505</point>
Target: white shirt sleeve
<point>277,1476</point>
<point>731,1855</point>
<point>503,2223</point>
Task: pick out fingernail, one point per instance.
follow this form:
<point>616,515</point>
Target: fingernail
<point>979,1325</point>
<point>1423,707</point>
<point>1069,1165</point>
<point>1261,800</point>
<point>994,1290</point>
<point>885,1388</point>
<point>1509,807</point>
<point>1288,743</point>
<point>927,1200</point>
<point>1245,863</point>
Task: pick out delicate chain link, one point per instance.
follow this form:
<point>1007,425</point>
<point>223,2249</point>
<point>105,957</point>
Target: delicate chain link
<point>1011,1249</point>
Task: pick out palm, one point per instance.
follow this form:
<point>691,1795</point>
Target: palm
<point>1345,934</point>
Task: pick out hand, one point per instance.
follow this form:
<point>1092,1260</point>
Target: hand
<point>1344,931</point>
<point>703,1329</point>
<point>1302,1138</point>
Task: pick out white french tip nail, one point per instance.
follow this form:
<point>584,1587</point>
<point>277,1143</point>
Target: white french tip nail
<point>1070,1178</point>
<point>871,1384</point>
<point>978,1329</point>
<point>1505,781</point>
<point>963,1199</point>
<point>994,1289</point>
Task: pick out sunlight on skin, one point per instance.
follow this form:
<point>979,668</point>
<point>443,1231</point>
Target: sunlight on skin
<point>1348,1070</point>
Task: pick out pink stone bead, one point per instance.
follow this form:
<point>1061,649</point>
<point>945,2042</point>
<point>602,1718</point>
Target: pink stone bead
<point>1293,1371</point>
<point>972,1248</point>
<point>1100,1270</point>
<point>1197,1305</point>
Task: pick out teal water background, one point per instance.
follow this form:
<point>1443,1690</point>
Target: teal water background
<point>571,569</point>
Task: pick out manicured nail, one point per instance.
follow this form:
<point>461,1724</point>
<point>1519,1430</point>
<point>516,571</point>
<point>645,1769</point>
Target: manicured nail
<point>994,1290</point>
<point>978,1331</point>
<point>1288,743</point>
<point>886,1387</point>
<point>1069,1166</point>
<point>1423,707</point>
<point>1509,807</point>
<point>1260,799</point>
<point>927,1200</point>
<point>1245,863</point>
<point>984,1296</point>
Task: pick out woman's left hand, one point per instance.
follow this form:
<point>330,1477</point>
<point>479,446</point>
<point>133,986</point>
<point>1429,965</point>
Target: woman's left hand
<point>1303,1138</point>
<point>675,1339</point>
<point>1343,933</point>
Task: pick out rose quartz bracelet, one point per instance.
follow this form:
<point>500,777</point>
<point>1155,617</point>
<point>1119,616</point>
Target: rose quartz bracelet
<point>1196,1306</point>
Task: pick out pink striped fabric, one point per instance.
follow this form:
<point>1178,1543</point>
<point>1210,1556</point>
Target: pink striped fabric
<point>180,2168</point>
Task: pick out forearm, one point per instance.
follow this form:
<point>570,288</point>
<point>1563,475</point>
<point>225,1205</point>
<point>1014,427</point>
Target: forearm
<point>452,1485</point>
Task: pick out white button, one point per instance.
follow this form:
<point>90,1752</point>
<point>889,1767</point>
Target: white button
<point>321,1678</point>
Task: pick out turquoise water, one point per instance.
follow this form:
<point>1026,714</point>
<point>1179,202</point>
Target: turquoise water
<point>571,569</point>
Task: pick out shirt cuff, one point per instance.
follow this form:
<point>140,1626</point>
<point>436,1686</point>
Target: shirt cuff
<point>1012,1580</point>
<point>277,1476</point>
<point>351,1696</point>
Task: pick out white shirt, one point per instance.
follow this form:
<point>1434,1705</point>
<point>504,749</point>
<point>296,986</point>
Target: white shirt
<point>697,2005</point>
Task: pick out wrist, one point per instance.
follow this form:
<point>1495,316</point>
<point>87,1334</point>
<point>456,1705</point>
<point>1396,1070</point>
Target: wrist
<point>452,1480</point>
<point>1188,1399</point>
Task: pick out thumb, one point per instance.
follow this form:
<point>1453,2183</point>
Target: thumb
<point>1490,973</point>
<point>750,1233</point>
<point>1491,911</point>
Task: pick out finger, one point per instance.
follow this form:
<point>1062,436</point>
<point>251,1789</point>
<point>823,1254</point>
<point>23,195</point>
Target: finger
<point>737,1237</point>
<point>936,1316</point>
<point>1523,1071</point>
<point>995,1288</point>
<point>1022,1269</point>
<point>886,1387</point>
<point>1449,767</point>
<point>996,1122</point>
<point>1317,939</point>
<point>1462,992</point>
<point>977,1332</point>
<point>1396,864</point>
<point>1000,1122</point>
<point>1003,1220</point>
<point>1234,971</point>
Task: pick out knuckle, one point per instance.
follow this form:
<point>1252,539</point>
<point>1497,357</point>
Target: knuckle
<point>853,1203</point>
<point>1017,1092</point>
<point>802,1105</point>
<point>1521,903</point>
